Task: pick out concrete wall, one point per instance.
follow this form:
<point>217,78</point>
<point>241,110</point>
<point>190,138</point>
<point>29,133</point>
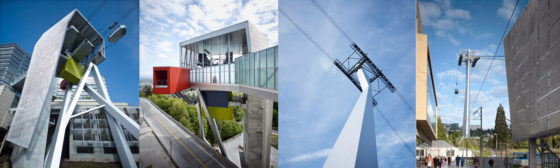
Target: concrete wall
<point>256,132</point>
<point>532,57</point>
<point>424,129</point>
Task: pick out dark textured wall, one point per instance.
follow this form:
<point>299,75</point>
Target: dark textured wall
<point>532,55</point>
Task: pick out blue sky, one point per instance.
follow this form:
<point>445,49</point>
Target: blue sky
<point>478,25</point>
<point>23,22</point>
<point>316,98</point>
<point>166,23</point>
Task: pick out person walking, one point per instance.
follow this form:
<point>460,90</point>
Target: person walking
<point>436,162</point>
<point>491,162</point>
<point>457,160</point>
<point>475,162</point>
<point>448,160</point>
<point>429,161</point>
<point>443,161</point>
<point>462,161</point>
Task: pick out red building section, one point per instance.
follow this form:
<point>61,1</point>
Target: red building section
<point>170,80</point>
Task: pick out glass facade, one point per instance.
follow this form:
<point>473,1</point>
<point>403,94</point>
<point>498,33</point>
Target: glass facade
<point>218,50</point>
<point>431,99</point>
<point>91,131</point>
<point>14,62</point>
<point>259,69</point>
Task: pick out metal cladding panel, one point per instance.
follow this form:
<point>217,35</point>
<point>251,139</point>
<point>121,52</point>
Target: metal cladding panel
<point>38,84</point>
<point>533,75</point>
<point>232,28</point>
<point>178,79</point>
<point>257,41</point>
<point>215,98</point>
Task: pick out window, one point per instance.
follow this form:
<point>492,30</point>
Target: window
<point>84,149</point>
<point>161,78</point>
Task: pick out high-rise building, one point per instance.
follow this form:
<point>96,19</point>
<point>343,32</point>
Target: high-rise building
<point>14,62</point>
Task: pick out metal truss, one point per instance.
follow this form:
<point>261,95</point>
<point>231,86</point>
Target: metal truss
<point>359,60</point>
<point>115,117</point>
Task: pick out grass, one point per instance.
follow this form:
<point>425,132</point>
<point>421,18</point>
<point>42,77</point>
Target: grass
<point>274,139</point>
<point>475,147</point>
<point>83,164</point>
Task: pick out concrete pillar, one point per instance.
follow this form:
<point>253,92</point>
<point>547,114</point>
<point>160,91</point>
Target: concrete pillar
<point>532,153</point>
<point>256,132</point>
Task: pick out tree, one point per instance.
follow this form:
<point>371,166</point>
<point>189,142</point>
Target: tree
<point>229,128</point>
<point>146,91</point>
<point>500,126</point>
<point>441,135</point>
<point>238,113</point>
<point>456,137</point>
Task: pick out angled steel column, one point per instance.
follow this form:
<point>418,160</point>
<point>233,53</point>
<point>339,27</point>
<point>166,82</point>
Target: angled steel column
<point>125,155</point>
<point>65,104</point>
<point>200,122</point>
<point>53,159</point>
<point>212,123</point>
<point>356,143</point>
<point>115,112</point>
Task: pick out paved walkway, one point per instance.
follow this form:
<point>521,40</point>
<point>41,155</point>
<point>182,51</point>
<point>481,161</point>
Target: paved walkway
<point>181,146</point>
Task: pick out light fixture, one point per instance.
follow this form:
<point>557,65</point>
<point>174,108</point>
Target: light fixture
<point>475,59</point>
<point>460,59</point>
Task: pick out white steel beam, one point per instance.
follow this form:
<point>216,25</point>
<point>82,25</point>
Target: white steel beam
<point>53,159</point>
<point>115,112</point>
<point>65,104</point>
<point>87,111</point>
<point>125,155</point>
<point>100,84</point>
<point>200,122</point>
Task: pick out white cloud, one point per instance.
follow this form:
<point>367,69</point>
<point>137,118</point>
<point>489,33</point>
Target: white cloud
<point>483,35</point>
<point>163,24</point>
<point>309,156</point>
<point>453,40</point>
<point>451,21</point>
<point>458,13</point>
<point>429,11</point>
<point>451,75</point>
<point>505,10</point>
